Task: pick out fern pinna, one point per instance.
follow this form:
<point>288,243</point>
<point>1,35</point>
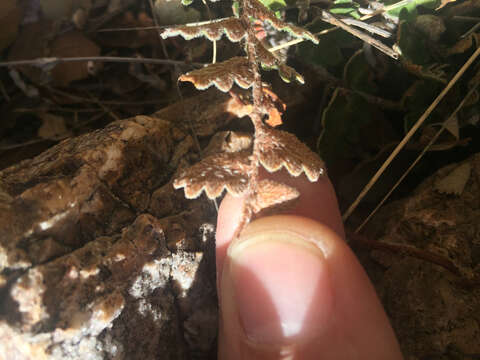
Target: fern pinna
<point>273,149</point>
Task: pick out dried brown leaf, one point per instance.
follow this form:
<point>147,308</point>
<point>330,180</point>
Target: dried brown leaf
<point>53,127</point>
<point>214,174</point>
<point>72,44</point>
<point>222,75</point>
<point>261,12</point>
<point>274,117</point>
<point>271,194</point>
<point>229,141</point>
<point>273,107</point>
<point>281,149</point>
<point>455,181</point>
<point>231,27</point>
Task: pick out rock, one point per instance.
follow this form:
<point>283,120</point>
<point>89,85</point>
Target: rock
<point>434,312</point>
<point>100,258</point>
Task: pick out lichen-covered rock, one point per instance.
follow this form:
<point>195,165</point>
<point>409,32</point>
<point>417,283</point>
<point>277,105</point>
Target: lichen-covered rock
<point>100,258</point>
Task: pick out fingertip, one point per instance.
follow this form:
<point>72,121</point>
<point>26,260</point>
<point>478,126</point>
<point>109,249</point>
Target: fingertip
<point>266,276</point>
<point>317,201</point>
<point>229,216</point>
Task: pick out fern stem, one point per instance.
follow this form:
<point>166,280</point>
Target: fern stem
<point>255,115</point>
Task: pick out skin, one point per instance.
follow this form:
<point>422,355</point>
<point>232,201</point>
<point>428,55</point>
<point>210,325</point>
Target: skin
<point>290,287</point>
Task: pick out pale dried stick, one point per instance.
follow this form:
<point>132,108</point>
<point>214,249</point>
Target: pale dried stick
<point>419,157</point>
<point>410,133</point>
<point>365,26</point>
<point>214,42</point>
<point>326,16</point>
<point>52,61</point>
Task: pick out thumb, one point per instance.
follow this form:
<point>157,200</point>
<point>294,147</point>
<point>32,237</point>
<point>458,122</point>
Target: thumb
<point>290,288</point>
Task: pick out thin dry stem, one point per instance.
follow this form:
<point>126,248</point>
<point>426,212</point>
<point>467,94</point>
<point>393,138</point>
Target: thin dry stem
<point>52,61</point>
<point>412,131</point>
<point>419,157</point>
<point>255,116</point>
<point>407,250</point>
<point>155,20</point>
<point>214,42</point>
<point>326,16</point>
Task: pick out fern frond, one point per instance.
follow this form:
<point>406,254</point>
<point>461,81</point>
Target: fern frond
<point>223,75</point>
<point>270,61</point>
<point>261,12</point>
<point>238,172</point>
<point>216,173</point>
<point>213,31</point>
<point>281,149</point>
<point>270,194</point>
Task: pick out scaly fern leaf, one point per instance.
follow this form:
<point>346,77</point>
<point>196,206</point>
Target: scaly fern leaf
<point>261,12</point>
<point>216,173</point>
<point>270,194</point>
<point>270,61</point>
<point>213,31</point>
<point>281,149</point>
<point>223,75</point>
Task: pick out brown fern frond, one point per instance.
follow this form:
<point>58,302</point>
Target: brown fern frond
<point>238,172</point>
<point>261,12</point>
<point>216,173</point>
<point>213,31</point>
<point>271,194</point>
<point>270,61</point>
<point>223,75</point>
<point>281,149</point>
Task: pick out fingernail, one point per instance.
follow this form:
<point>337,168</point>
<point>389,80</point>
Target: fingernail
<point>281,284</point>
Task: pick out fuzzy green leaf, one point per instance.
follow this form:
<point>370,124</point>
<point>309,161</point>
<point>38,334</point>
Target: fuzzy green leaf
<point>410,8</point>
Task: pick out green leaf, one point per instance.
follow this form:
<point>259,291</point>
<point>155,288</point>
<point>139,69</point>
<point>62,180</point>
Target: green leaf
<point>274,5</point>
<point>411,7</point>
<point>236,9</point>
<point>346,7</point>
<point>343,120</point>
<point>412,44</point>
<point>358,74</point>
<point>327,52</point>
<point>346,11</point>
